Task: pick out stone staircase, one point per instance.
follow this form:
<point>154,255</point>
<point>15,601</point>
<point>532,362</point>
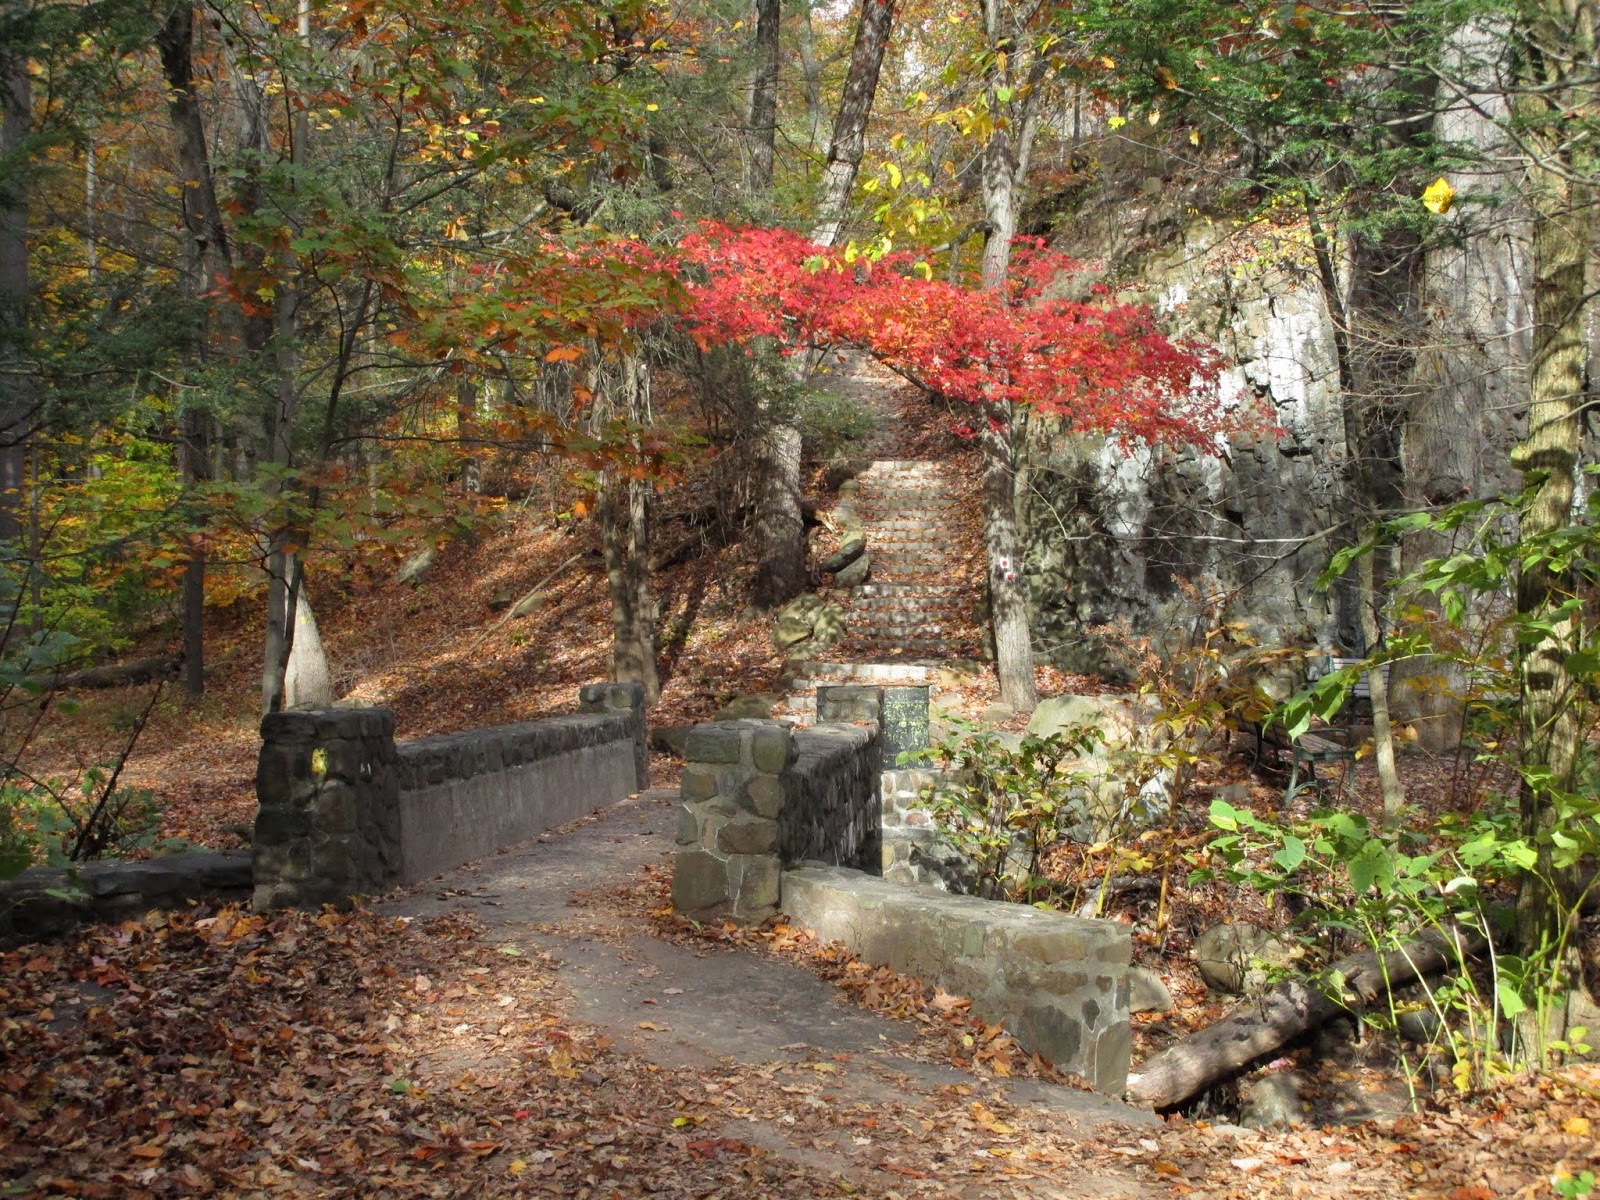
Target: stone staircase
<point>909,605</point>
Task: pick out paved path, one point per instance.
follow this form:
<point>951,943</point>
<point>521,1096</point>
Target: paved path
<point>732,1008</point>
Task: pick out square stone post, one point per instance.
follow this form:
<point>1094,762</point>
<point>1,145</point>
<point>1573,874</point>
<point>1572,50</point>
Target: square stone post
<point>328,825</point>
<point>848,703</point>
<point>628,698</point>
<point>728,862</point>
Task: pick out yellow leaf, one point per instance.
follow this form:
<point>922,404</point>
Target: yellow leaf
<point>1576,1126</point>
<point>516,1167</point>
<point>1117,122</point>
<point>1154,117</point>
<point>1194,137</point>
<point>1438,196</point>
<point>651,1025</point>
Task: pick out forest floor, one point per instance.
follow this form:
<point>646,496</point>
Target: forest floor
<point>540,1024</point>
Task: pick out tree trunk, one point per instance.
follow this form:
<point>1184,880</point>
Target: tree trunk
<point>1008,604</point>
<point>623,510</point>
<point>850,126</point>
<point>467,434</point>
<point>202,215</point>
<point>1368,499</point>
<point>1259,1028</point>
<point>196,465</point>
<point>307,678</point>
<point>1548,459</point>
<point>16,411</point>
<point>812,71</point>
<point>763,118</point>
<point>780,531</point>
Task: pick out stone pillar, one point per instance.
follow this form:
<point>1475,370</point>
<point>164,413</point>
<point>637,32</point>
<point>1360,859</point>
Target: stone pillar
<point>328,825</point>
<point>905,721</point>
<point>622,697</point>
<point>849,703</point>
<point>728,855</point>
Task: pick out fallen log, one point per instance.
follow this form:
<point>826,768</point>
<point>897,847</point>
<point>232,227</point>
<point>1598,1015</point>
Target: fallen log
<point>1289,1011</point>
<point>144,670</point>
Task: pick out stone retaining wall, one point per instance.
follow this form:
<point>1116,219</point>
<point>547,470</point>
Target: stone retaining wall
<point>344,811</point>
<point>757,796</point>
<point>47,901</point>
<point>1059,983</point>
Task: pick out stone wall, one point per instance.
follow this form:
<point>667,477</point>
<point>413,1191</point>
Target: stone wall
<point>914,849</point>
<point>1059,983</point>
<point>832,810</point>
<point>757,796</point>
<point>46,901</point>
<point>344,811</point>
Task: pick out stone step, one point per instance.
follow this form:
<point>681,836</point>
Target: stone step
<point>843,672</point>
<point>904,603</point>
<point>908,589</point>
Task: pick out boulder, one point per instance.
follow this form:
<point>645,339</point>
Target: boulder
<point>808,618</point>
<point>1147,992</point>
<point>1116,716</point>
<point>1273,1101</point>
<point>856,573</point>
<point>669,739</point>
<point>851,547</point>
<point>1234,958</point>
<point>414,568</point>
<point>756,705</point>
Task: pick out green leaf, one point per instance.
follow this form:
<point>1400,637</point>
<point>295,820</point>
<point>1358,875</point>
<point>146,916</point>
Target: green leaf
<point>1292,854</point>
<point>1511,1004</point>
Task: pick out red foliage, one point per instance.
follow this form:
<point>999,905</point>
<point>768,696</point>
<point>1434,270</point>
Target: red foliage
<point>1107,368</point>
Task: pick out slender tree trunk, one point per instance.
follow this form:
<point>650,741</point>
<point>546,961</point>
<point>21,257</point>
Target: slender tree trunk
<point>623,510</point>
<point>812,70</point>
<point>1548,459</point>
<point>1364,497</point>
<point>1008,602</point>
<point>467,433</point>
<point>850,126</point>
<point>16,410</point>
<point>763,116</point>
<point>196,466</point>
<point>780,526</point>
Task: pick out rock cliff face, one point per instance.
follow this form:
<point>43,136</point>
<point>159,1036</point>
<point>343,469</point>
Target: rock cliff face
<point>1120,534</point>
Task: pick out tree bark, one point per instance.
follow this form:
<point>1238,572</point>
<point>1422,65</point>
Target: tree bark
<point>1563,232</point>
<point>1260,1028</point>
<point>780,531</point>
<point>850,126</point>
<point>812,70</point>
<point>1008,603</point>
<point>1362,475</point>
<point>623,510</point>
<point>196,466</point>
<point>17,410</point>
<point>763,117</point>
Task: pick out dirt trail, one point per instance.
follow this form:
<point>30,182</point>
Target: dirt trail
<point>827,1084</point>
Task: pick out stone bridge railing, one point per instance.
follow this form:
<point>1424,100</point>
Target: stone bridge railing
<point>824,824</point>
<point>347,811</point>
<point>758,797</point>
